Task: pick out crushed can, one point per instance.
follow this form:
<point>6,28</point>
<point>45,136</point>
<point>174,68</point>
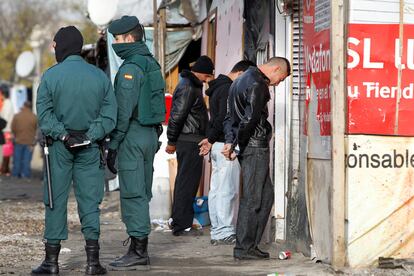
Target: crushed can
<point>284,255</point>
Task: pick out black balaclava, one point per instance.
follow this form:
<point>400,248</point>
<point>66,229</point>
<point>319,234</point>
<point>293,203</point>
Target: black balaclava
<point>69,41</point>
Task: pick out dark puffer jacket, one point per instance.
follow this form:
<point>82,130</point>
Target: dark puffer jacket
<point>246,120</point>
<point>188,117</point>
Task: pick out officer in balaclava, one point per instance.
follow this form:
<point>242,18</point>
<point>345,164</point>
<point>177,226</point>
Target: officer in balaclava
<point>76,109</point>
<point>139,90</point>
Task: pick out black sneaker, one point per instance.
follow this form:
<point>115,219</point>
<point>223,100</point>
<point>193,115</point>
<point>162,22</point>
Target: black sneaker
<point>230,240</point>
<point>214,242</point>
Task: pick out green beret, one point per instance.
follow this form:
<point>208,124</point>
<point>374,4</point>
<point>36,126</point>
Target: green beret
<point>123,25</point>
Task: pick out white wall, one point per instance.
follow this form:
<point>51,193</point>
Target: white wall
<point>229,48</point>
<point>380,11</point>
<point>282,124</point>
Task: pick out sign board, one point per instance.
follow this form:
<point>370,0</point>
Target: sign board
<point>380,169</point>
<point>317,58</point>
<point>380,198</point>
<point>373,91</point>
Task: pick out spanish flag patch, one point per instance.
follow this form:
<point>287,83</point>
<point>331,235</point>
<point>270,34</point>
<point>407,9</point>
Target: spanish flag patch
<point>128,76</point>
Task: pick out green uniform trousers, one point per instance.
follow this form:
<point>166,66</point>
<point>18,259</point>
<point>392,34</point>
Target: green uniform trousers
<point>135,169</point>
<point>84,169</point>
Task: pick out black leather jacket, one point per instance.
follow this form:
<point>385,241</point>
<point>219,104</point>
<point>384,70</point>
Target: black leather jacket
<point>188,117</point>
<point>246,120</point>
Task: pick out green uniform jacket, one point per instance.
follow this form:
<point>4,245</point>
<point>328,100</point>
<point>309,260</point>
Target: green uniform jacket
<point>75,95</point>
<point>136,142</point>
<point>128,85</point>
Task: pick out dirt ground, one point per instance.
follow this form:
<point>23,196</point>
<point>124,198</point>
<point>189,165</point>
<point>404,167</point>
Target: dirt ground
<point>21,247</point>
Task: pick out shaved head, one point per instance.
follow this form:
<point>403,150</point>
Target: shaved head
<point>282,62</point>
<point>276,69</point>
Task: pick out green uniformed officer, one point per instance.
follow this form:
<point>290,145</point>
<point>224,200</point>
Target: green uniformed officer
<point>139,89</point>
<point>76,105</point>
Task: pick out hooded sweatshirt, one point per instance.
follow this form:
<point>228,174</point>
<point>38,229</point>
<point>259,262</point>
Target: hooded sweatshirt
<point>218,93</point>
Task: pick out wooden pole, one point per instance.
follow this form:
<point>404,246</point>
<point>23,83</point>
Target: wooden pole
<point>155,31</point>
<point>163,33</point>
<point>338,108</point>
<point>400,54</point>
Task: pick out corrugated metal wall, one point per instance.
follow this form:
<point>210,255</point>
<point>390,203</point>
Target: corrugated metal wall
<point>297,230</point>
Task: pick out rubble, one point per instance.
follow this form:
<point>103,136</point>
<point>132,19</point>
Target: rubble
<point>21,246</point>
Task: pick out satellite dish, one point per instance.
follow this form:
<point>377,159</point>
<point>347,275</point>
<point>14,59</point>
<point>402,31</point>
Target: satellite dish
<point>25,64</point>
<point>101,12</point>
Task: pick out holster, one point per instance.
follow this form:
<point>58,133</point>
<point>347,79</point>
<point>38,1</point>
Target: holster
<point>46,140</point>
<point>103,150</point>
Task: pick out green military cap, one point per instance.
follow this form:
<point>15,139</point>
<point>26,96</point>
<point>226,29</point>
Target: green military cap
<point>123,25</point>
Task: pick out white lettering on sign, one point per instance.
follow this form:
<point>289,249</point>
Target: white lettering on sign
<point>367,59</point>
<point>374,90</point>
<point>308,19</point>
<point>410,54</point>
<point>354,55</point>
<point>323,93</point>
<point>319,60</point>
<point>367,56</point>
<point>397,60</point>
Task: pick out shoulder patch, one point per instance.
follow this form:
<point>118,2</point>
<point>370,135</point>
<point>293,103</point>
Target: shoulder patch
<point>128,76</point>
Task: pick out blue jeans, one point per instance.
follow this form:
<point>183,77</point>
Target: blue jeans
<point>224,194</point>
<point>22,158</point>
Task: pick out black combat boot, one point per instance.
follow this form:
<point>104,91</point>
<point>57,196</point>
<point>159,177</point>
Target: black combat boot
<point>135,258</point>
<point>93,266</point>
<point>50,264</point>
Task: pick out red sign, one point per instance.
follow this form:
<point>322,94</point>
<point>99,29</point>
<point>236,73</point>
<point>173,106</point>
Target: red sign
<point>317,56</point>
<point>372,76</point>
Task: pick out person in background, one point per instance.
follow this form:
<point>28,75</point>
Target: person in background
<point>186,128</point>
<point>7,113</point>
<point>224,185</point>
<point>247,128</point>
<point>23,127</point>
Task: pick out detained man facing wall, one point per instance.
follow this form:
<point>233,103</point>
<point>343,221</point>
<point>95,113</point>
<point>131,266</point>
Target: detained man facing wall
<point>247,128</point>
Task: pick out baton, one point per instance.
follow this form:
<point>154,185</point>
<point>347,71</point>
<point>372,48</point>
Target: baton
<point>48,174</point>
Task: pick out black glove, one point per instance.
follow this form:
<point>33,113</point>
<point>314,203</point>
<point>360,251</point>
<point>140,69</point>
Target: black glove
<point>78,140</point>
<point>110,160</point>
<point>159,130</point>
